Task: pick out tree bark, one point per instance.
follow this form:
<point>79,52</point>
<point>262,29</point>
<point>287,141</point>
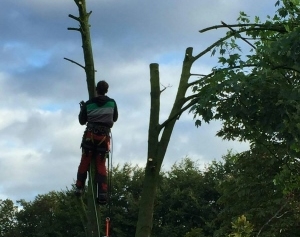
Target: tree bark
<point>87,46</point>
<point>93,211</point>
<point>157,147</point>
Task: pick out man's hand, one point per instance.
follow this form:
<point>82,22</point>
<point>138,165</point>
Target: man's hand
<point>81,103</point>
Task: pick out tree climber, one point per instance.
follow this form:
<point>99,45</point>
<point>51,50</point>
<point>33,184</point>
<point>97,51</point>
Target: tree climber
<point>99,113</point>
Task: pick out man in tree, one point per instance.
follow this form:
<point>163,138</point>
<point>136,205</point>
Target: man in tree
<point>99,113</point>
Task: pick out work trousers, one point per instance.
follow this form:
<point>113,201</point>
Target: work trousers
<point>94,146</point>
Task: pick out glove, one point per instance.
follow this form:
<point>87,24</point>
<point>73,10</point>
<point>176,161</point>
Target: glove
<point>81,103</point>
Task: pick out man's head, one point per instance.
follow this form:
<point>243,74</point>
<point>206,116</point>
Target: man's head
<point>102,87</point>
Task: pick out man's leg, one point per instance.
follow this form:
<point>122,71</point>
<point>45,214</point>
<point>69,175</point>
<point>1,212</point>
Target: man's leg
<point>101,178</point>
<point>82,171</point>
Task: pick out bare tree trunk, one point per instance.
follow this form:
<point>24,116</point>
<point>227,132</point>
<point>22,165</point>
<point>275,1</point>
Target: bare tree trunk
<point>93,212</point>
<point>157,147</point>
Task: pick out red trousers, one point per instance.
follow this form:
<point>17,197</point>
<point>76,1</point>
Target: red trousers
<point>94,147</point>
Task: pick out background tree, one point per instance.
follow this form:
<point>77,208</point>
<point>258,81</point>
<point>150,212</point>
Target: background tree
<point>186,201</point>
<point>125,196</point>
<point>52,214</point>
<point>57,213</point>
<point>7,218</point>
<point>190,202</point>
<point>248,188</point>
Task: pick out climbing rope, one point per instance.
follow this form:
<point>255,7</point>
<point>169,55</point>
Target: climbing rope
<point>109,182</point>
<point>109,192</point>
<point>94,201</point>
<point>107,226</point>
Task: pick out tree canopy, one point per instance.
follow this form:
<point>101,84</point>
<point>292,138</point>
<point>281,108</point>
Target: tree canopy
<point>255,93</point>
<point>255,89</point>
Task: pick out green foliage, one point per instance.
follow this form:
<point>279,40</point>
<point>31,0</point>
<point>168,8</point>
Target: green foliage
<point>241,227</point>
<point>185,205</point>
<point>255,90</point>
<point>126,191</point>
<point>248,189</point>
<point>195,232</point>
<point>52,214</point>
<point>190,202</point>
<point>186,200</point>
<point>288,179</point>
<point>254,78</point>
<point>7,218</point>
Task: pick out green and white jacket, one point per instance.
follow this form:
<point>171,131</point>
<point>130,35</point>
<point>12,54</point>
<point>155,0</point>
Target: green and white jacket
<point>100,110</point>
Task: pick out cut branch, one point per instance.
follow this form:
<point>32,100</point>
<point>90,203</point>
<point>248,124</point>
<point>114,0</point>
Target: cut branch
<point>164,87</point>
<point>72,28</point>
<point>72,61</point>
<point>74,17</point>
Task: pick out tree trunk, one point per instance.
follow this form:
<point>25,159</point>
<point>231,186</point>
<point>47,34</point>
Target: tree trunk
<point>93,212</point>
<point>157,147</point>
<point>87,47</point>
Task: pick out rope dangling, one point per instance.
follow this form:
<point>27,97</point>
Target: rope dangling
<point>109,174</point>
<point>107,226</point>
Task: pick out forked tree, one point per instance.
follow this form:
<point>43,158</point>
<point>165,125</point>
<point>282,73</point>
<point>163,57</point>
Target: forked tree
<point>159,134</point>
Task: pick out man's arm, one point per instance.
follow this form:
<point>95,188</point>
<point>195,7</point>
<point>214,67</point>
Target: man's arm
<point>82,117</point>
<point>116,114</point>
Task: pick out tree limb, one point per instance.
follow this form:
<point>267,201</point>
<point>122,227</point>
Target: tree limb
<point>212,46</point>
<point>191,97</point>
<point>164,87</point>
<point>75,62</point>
<point>76,29</point>
<point>220,69</point>
<point>262,27</point>
<point>274,216</point>
<point>199,75</point>
<point>285,67</point>
<point>203,78</point>
<point>259,27</point>
<point>74,17</point>
<point>242,38</point>
<point>175,116</point>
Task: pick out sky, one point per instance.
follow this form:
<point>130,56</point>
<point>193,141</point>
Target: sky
<point>40,92</point>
